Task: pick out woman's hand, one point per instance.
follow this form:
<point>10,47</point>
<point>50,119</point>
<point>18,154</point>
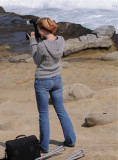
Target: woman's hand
<point>32,35</point>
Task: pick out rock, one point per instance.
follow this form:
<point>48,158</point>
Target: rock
<point>94,119</point>
<point>2,10</point>
<point>71,30</point>
<point>84,42</point>
<point>75,92</point>
<point>91,39</point>
<point>115,40</point>
<point>103,107</point>
<point>65,65</point>
<point>67,49</point>
<point>111,56</point>
<point>73,45</point>
<point>105,42</point>
<point>105,31</point>
<point>27,60</point>
<point>13,28</point>
<point>19,58</point>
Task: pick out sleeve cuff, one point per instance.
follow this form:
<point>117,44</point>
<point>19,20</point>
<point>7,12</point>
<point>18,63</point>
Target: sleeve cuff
<point>33,41</point>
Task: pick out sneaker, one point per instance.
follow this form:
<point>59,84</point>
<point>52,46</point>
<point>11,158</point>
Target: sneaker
<point>42,151</point>
<point>66,144</point>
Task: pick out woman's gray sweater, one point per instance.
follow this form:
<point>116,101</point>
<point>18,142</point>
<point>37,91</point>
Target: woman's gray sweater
<point>47,55</point>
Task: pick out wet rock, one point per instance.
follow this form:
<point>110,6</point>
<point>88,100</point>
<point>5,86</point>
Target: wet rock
<point>105,31</point>
<point>71,30</point>
<point>94,119</point>
<point>111,56</point>
<point>115,40</point>
<point>13,30</point>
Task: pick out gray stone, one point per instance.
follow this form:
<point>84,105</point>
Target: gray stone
<point>76,92</point>
<point>67,49</point>
<point>73,45</point>
<point>19,58</point>
<point>84,40</point>
<point>105,31</point>
<point>105,42</point>
<point>27,60</point>
<point>65,65</point>
<point>91,39</point>
<point>102,118</point>
<point>111,56</point>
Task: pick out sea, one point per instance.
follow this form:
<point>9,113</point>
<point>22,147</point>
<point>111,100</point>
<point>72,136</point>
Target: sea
<point>88,13</point>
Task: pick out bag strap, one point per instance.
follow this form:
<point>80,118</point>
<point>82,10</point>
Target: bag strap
<point>22,135</point>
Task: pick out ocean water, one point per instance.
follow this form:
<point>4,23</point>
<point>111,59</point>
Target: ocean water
<point>89,13</point>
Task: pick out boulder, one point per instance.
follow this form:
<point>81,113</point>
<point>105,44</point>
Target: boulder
<point>105,42</point>
<point>76,92</point>
<point>105,31</point>
<point>27,60</point>
<point>91,39</point>
<point>111,56</point>
<point>71,30</point>
<point>2,10</point>
<point>115,40</point>
<point>103,107</point>
<point>94,119</point>
<point>65,65</point>
<point>84,42</point>
<point>73,45</point>
<point>19,58</point>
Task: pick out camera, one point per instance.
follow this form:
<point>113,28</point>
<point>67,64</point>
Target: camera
<point>34,22</point>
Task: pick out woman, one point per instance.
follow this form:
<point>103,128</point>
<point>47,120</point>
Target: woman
<point>47,55</point>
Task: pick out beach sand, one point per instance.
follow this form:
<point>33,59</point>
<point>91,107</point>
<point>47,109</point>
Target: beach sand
<point>19,115</point>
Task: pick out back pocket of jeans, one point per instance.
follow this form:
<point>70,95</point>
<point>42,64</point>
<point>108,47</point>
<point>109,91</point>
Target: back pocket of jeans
<point>59,83</point>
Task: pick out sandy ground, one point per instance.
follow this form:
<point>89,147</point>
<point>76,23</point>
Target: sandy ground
<point>19,115</point>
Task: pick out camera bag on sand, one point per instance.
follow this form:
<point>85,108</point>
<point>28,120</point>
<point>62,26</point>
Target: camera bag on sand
<point>23,148</point>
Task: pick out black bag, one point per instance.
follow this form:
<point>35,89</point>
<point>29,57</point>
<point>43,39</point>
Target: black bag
<point>25,148</point>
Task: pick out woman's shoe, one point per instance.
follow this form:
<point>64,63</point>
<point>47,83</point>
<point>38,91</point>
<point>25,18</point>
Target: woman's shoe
<point>42,151</point>
<point>66,144</point>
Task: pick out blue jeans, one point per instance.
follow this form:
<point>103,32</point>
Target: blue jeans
<point>54,87</point>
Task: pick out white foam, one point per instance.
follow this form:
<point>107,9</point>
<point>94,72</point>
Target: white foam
<point>89,13</point>
<point>62,4</point>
